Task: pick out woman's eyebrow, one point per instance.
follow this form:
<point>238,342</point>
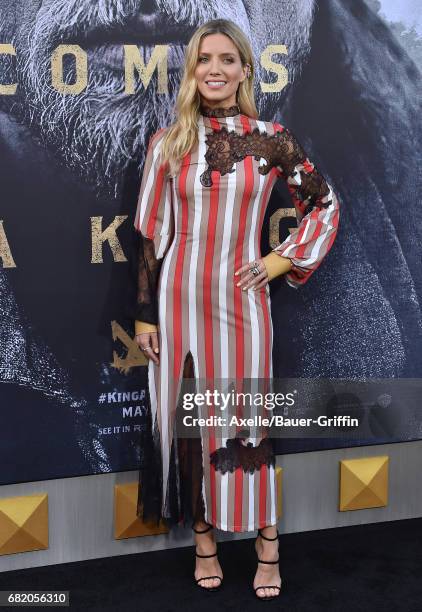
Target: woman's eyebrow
<point>227,53</point>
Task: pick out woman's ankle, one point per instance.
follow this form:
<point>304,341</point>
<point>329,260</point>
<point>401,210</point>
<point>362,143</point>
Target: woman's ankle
<point>201,525</point>
<point>270,531</point>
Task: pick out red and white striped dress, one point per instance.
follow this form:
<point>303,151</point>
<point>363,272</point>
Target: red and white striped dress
<point>205,223</point>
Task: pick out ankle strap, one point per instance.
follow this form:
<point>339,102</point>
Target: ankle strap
<point>265,537</point>
<point>206,556</point>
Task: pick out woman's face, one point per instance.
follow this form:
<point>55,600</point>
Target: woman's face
<point>218,60</point>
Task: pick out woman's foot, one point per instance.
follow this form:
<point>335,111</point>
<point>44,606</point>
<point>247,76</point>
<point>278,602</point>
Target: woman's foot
<point>206,545</point>
<point>267,573</point>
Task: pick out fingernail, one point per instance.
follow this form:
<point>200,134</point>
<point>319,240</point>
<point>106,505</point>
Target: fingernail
<point>156,350</point>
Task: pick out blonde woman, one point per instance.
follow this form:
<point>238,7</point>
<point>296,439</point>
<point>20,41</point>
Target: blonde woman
<point>203,308</point>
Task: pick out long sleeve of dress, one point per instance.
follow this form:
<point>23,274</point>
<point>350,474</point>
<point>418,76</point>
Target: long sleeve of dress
<point>317,210</point>
<point>155,224</point>
<point>148,271</point>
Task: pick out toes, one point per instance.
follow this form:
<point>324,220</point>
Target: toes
<point>266,592</point>
<point>209,583</point>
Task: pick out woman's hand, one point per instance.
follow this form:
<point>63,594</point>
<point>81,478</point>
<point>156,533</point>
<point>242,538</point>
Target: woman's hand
<point>249,280</point>
<point>148,343</point>
<point>270,266</point>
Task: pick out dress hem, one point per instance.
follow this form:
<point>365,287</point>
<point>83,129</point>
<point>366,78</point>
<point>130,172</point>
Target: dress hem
<point>241,528</point>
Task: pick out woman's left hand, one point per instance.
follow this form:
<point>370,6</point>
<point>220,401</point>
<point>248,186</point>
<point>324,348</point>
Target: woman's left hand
<point>249,280</point>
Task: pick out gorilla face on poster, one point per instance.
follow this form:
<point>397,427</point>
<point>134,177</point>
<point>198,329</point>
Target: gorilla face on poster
<point>102,130</point>
<point>72,167</point>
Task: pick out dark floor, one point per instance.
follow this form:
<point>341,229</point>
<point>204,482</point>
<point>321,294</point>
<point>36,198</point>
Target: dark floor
<point>370,568</point>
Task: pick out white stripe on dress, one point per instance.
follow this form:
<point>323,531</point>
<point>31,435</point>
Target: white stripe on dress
<point>222,304</point>
<point>193,330</point>
<point>164,363</point>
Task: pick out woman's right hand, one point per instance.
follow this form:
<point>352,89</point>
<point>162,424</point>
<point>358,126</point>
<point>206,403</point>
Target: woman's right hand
<point>148,343</point>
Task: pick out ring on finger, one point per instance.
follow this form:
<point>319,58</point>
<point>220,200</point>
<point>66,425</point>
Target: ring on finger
<point>255,269</point>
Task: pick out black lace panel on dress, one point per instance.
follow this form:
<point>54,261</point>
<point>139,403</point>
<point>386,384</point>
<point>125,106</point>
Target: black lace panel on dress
<point>248,457</point>
<point>148,272</point>
<point>281,150</point>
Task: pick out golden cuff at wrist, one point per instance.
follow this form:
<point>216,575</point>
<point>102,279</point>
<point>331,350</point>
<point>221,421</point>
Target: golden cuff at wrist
<point>276,264</point>
<point>142,327</point>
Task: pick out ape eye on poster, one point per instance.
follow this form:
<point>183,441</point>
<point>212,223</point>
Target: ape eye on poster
<point>363,483</point>
<point>23,523</point>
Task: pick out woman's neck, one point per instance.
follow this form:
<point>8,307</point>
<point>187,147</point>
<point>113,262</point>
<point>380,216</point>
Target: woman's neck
<point>219,109</point>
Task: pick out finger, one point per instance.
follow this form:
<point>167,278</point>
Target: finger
<point>261,284</point>
<point>255,280</point>
<point>152,353</point>
<point>139,340</point>
<point>250,275</point>
<point>244,268</point>
<point>244,280</point>
<point>143,337</point>
<point>154,342</point>
<point>154,357</point>
<point>148,352</point>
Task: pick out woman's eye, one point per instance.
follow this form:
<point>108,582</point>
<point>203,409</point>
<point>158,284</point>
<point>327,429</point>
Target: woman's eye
<point>228,59</point>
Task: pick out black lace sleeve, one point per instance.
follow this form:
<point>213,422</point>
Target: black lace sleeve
<point>154,222</point>
<point>147,280</point>
<point>317,210</point>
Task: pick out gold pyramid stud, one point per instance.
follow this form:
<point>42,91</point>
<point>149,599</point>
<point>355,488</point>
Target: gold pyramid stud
<point>127,523</point>
<point>363,483</point>
<point>23,523</point>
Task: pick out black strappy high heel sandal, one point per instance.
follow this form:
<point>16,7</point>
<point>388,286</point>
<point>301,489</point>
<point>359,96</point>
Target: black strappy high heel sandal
<point>198,580</point>
<point>268,586</point>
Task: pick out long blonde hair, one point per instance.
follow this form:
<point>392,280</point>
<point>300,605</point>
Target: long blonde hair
<point>182,135</point>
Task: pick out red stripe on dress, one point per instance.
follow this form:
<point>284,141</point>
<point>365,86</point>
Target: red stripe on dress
<point>207,302</point>
<point>238,262</point>
<point>266,334</point>
<point>177,286</point>
<point>262,500</point>
<point>238,314</point>
<point>263,475</point>
<point>270,184</point>
<point>265,198</point>
<point>157,197</point>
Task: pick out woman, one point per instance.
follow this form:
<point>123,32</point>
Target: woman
<point>203,308</point>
